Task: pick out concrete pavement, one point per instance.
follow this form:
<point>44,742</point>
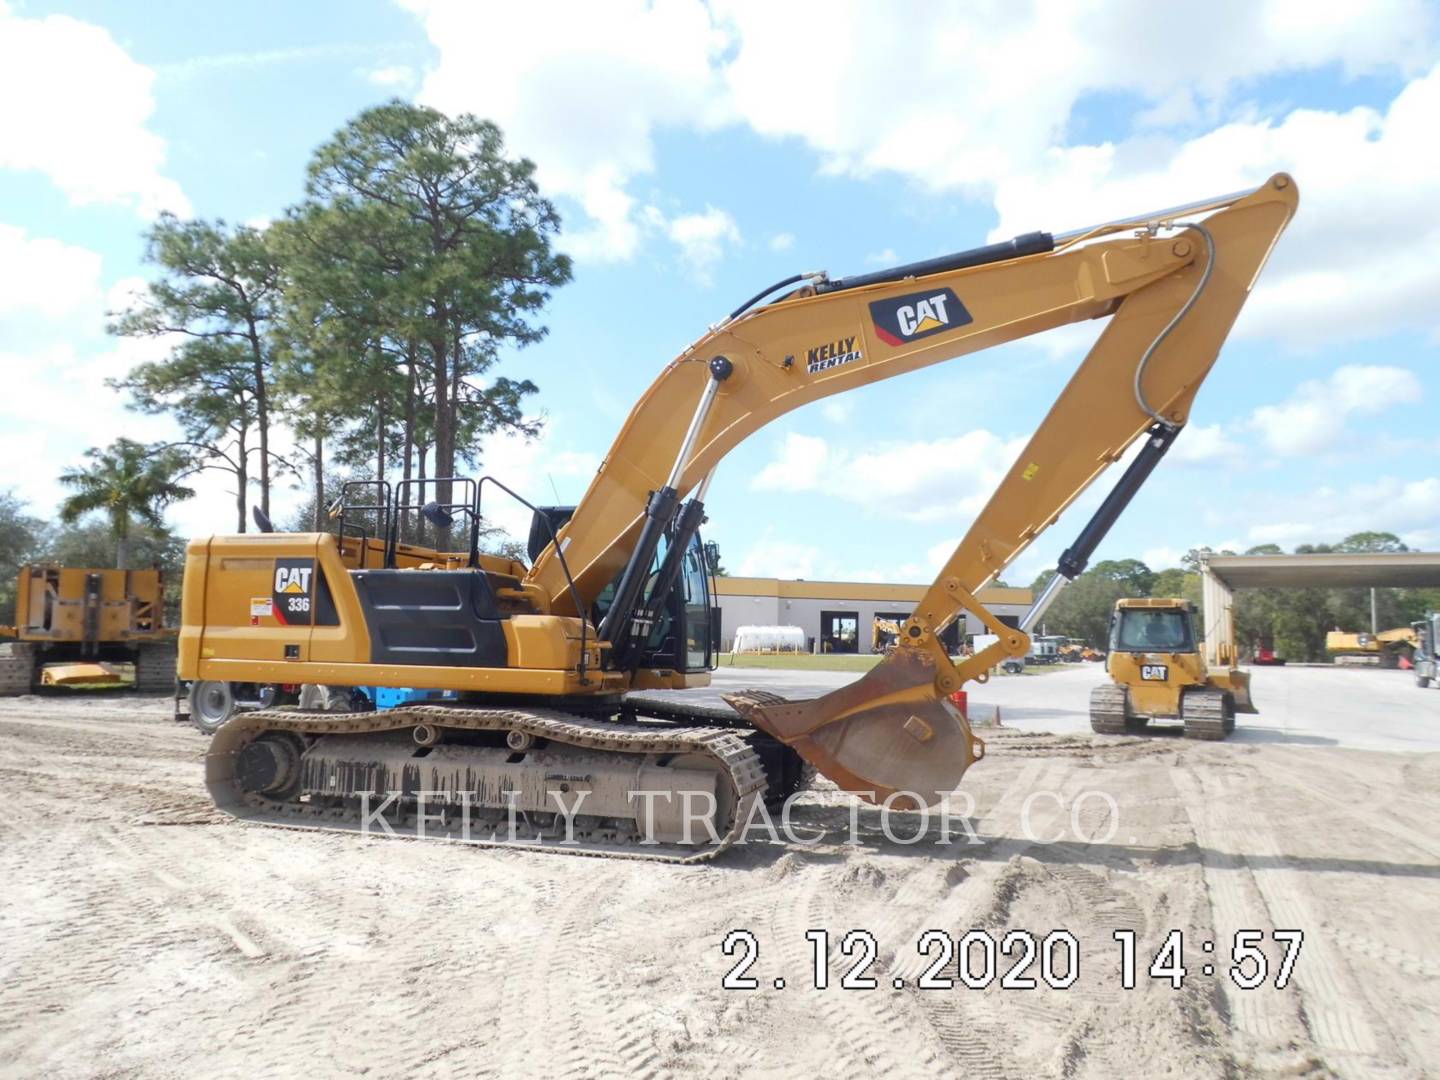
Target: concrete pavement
<point>1362,708</point>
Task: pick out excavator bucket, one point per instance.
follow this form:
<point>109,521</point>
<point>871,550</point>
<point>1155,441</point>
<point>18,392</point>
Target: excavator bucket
<point>889,737</point>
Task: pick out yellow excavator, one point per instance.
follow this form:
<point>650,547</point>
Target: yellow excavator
<point>1371,650</point>
<point>520,712</point>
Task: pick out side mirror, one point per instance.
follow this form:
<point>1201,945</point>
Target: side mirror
<point>712,556</point>
<point>437,515</point>
<point>262,522</point>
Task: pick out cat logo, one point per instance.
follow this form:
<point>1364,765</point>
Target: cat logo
<point>1155,672</point>
<point>291,597</point>
<point>293,578</point>
<point>918,315</point>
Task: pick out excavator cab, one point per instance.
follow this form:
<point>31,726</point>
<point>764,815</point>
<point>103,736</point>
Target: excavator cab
<point>681,636</point>
<point>684,635</point>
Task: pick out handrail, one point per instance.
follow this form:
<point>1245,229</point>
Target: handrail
<point>559,554</point>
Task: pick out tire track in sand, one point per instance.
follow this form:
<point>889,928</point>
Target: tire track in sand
<point>1340,1023</point>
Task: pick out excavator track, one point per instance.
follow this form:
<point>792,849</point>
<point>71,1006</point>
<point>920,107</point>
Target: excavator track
<point>1109,712</point>
<point>1208,714</point>
<point>496,777</point>
<point>155,667</point>
<point>786,772</point>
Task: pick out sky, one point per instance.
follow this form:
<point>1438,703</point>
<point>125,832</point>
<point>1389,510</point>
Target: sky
<point>699,151</point>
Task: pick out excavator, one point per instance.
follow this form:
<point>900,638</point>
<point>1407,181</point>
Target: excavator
<point>536,718</point>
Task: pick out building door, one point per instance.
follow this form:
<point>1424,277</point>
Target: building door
<point>839,631</point>
<point>950,637</point>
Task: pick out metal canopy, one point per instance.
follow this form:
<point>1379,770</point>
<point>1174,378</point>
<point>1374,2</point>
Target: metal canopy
<point>1364,569</point>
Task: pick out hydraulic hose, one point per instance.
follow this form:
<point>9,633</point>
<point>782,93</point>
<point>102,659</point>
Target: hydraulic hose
<point>1175,321</point>
<point>793,279</point>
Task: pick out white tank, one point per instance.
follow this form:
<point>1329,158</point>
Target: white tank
<point>768,639</point>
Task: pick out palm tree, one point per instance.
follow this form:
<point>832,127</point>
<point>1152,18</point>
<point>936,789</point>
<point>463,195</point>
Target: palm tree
<point>127,481</point>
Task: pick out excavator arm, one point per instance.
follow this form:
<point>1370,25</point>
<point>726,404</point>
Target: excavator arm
<point>1171,282</point>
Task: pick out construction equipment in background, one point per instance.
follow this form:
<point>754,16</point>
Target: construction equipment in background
<point>1382,650</point>
<point>1427,650</point>
<point>1045,649</point>
<point>1266,656</point>
<point>1158,673</point>
<point>885,635</point>
<point>74,625</point>
<point>1075,651</point>
<point>551,662</point>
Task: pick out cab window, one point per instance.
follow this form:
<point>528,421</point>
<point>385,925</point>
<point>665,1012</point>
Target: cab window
<point>1153,631</point>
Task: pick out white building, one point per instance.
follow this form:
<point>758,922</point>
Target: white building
<point>841,615</point>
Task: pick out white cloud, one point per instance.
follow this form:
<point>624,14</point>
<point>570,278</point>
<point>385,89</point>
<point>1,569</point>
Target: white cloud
<point>883,115</point>
<point>392,77</point>
<point>93,414</point>
<point>193,66</point>
<point>1360,252</point>
<point>1406,506</point>
<point>1312,419</point>
<point>579,88</point>
<point>882,258</point>
<point>1357,260</point>
<point>782,241</point>
<point>768,557</point>
<point>936,104</point>
<point>126,293</point>
<point>1161,558</point>
<point>77,110</point>
<point>838,410</point>
<point>536,468</point>
<point>45,277</point>
<point>703,239</point>
<point>1206,445</point>
<point>800,465</point>
<point>946,479</point>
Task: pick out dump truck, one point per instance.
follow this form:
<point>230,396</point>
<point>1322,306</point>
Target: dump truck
<point>73,625</point>
<point>555,738</point>
<point>1157,673</point>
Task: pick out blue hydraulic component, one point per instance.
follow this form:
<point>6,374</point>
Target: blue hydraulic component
<point>388,697</point>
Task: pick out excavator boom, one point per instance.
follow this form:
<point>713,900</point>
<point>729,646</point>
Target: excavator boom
<point>1172,288</point>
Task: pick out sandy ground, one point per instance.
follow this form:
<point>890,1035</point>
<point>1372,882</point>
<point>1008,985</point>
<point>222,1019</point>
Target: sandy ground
<point>142,933</point>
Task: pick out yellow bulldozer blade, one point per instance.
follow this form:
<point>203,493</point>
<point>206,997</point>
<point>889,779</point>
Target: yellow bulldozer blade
<point>889,737</point>
<point>1238,683</point>
<point>72,674</point>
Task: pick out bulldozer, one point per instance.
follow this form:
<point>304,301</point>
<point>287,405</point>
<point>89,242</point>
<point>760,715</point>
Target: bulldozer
<point>1157,672</point>
<point>73,625</point>
<point>543,724</point>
